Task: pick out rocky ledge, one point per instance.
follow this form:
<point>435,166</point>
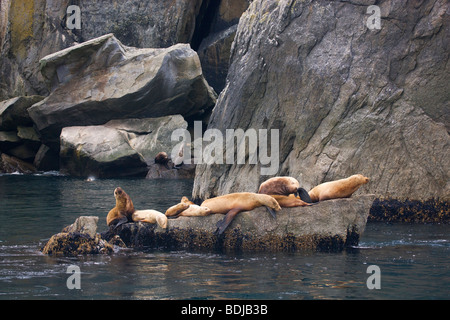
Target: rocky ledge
<point>327,226</point>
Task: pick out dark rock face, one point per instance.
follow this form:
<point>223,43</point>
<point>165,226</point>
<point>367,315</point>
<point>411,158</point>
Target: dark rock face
<point>329,225</point>
<point>346,99</point>
<point>411,211</point>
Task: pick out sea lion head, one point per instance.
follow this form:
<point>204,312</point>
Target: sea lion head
<point>118,192</point>
<point>123,201</point>
<point>361,179</point>
<point>162,158</point>
<point>205,210</point>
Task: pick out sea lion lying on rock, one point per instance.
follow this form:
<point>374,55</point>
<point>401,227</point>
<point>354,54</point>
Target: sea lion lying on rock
<point>233,203</point>
<point>290,201</point>
<point>283,186</point>
<point>150,216</point>
<point>342,188</point>
<point>187,208</point>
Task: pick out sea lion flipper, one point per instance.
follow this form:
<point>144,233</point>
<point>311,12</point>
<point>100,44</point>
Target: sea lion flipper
<point>272,212</point>
<point>304,195</point>
<point>119,222</point>
<point>223,224</point>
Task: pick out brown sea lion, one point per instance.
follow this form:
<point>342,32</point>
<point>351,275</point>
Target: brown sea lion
<point>279,185</point>
<point>283,186</point>
<point>290,201</point>
<point>150,216</point>
<point>233,203</point>
<point>175,210</point>
<point>162,158</point>
<point>123,211</point>
<point>342,188</point>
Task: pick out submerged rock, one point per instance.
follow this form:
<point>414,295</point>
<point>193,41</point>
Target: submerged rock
<point>328,225</point>
<point>79,238</point>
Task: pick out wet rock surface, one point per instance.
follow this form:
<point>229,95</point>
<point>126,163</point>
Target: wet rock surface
<point>79,238</point>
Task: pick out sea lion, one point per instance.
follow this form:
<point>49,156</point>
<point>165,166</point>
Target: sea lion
<point>196,211</point>
<point>342,188</point>
<point>283,186</point>
<point>279,185</point>
<point>233,203</point>
<point>290,201</point>
<point>123,210</point>
<point>162,158</point>
<point>150,216</point>
<point>175,210</point>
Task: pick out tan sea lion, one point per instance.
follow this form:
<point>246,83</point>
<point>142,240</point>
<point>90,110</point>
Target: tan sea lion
<point>342,188</point>
<point>185,199</point>
<point>123,210</point>
<point>233,203</point>
<point>175,210</point>
<point>290,201</point>
<point>150,216</point>
<point>196,211</point>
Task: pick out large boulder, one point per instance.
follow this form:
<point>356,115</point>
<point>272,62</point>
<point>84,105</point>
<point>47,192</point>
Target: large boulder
<point>101,80</point>
<point>118,148</point>
<point>328,225</point>
<point>345,98</point>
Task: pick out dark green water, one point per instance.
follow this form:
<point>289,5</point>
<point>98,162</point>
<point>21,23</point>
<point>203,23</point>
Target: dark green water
<point>413,259</point>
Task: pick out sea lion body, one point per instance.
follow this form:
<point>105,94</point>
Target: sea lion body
<point>196,211</point>
<point>123,210</point>
<point>290,201</point>
<point>280,186</point>
<point>233,203</point>
<point>175,210</point>
<point>150,216</point>
<point>342,188</point>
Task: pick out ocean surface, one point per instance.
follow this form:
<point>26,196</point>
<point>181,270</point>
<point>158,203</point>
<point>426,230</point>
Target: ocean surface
<point>412,259</point>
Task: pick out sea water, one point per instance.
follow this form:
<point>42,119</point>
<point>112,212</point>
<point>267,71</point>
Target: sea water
<point>413,259</point>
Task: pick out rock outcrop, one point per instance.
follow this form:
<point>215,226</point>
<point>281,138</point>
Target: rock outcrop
<point>328,225</point>
<point>345,98</point>
<point>118,148</point>
<point>18,138</point>
<point>101,80</point>
<point>79,238</point>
